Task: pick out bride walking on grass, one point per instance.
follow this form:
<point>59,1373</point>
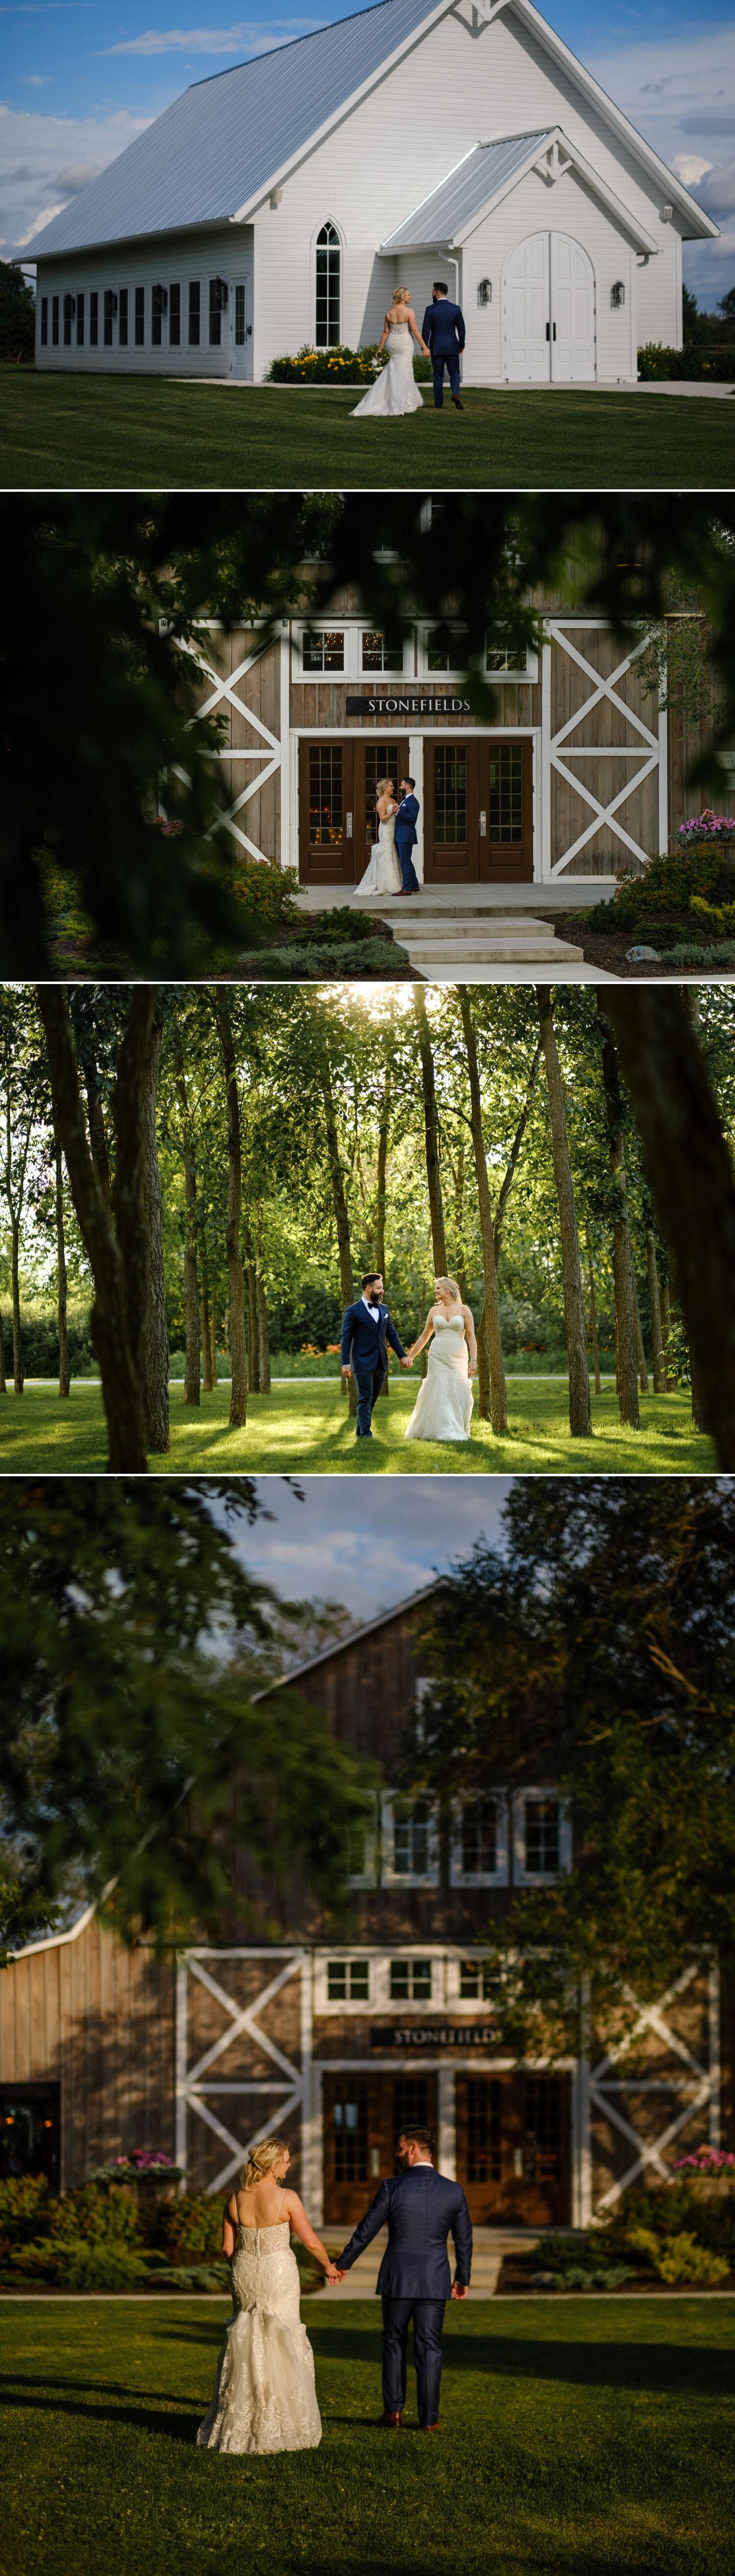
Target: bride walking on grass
<point>443,1407</point>
<point>264,2393</point>
<point>394,390</point>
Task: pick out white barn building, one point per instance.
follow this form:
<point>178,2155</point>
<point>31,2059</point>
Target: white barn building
<point>280,201</point>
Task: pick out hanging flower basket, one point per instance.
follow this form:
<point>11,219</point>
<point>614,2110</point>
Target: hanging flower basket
<point>706,827</point>
<point>147,2170</point>
<point>709,2173</point>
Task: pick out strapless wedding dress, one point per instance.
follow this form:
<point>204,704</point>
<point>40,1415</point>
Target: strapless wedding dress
<point>394,389</point>
<point>443,1407</point>
<point>383,875</point>
<point>264,2393</point>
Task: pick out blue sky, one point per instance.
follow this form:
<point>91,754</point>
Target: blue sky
<point>369,1544</point>
<point>79,81</point>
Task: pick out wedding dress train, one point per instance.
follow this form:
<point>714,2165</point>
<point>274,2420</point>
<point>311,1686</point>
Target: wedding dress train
<point>383,875</point>
<point>395,389</point>
<point>264,2393</point>
<point>443,1407</point>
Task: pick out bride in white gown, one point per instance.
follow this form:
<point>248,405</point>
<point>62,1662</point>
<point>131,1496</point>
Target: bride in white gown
<point>394,390</point>
<point>264,2394</point>
<point>443,1407</point>
<point>383,876</point>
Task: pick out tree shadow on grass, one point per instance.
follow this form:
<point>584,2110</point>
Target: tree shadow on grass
<point>690,2367</point>
<point>146,2418</point>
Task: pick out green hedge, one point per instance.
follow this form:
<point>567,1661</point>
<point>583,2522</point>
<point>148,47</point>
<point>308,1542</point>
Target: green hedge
<point>312,964</point>
<point>662,365</point>
<point>669,881</point>
<point>40,1342</point>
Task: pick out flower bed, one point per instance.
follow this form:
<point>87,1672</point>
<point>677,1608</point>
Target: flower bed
<point>338,366</point>
<point>659,364</point>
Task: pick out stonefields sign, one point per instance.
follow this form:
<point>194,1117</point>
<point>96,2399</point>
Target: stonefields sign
<point>435,2034</point>
<point>418,705</point>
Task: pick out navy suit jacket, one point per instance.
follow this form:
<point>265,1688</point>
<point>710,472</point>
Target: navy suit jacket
<point>406,820</point>
<point>443,328</point>
<point>421,2209</point>
<point>364,1342</point>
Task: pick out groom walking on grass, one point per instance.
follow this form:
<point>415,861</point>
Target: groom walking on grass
<point>444,332</point>
<point>421,2208</point>
<point>366,1329</point>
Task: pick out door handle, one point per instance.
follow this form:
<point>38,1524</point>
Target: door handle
<point>249,332</point>
<point>348,827</point>
<point>554,330</point>
<point>483,823</point>
<point>548,330</point>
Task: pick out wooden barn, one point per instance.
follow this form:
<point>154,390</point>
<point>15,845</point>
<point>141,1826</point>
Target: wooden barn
<point>279,202</point>
<point>582,775</point>
<point>335,2043</point>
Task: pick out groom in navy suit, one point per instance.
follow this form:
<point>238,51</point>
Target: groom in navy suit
<point>421,2209</point>
<point>444,332</point>
<point>406,835</point>
<point>366,1329</point>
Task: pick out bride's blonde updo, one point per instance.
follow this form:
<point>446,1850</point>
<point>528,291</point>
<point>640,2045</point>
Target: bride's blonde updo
<point>452,1285</point>
<point>381,787</point>
<point>261,2161</point>
<point>401,295</point>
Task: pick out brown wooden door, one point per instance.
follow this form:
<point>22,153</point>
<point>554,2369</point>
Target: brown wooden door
<point>362,2116</point>
<point>513,2148</point>
<point>327,812</point>
<point>506,812</point>
<point>373,760</point>
<point>451,813</point>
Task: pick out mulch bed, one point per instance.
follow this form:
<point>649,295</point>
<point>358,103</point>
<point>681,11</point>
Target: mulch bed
<point>609,949</point>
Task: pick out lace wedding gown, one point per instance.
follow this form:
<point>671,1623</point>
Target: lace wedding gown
<point>264,2394</point>
<point>443,1407</point>
<point>383,876</point>
<point>394,389</point>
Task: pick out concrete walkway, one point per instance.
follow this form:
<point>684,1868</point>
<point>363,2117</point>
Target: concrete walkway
<point>465,934</point>
<point>489,2247</point>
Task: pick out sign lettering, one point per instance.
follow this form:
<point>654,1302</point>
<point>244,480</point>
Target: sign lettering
<point>445,2034</point>
<point>420,705</point>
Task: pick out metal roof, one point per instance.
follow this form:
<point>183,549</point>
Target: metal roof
<point>218,146</point>
<point>468,189</point>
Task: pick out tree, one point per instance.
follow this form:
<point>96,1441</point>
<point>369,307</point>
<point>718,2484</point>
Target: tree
<point>156,1328</point>
<point>18,1106</point>
<point>498,1398</point>
<point>580,1417</point>
<point>135,1646</point>
<point>64,1371</point>
<point>609,1604</point>
<point>625,1318</point>
<point>239,1395</point>
<point>191,1286</point>
<point>431,1137</point>
<point>118,1268</point>
<point>17,316</point>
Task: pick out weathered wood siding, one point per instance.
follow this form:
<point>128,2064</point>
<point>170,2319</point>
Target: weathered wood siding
<point>97,2018</point>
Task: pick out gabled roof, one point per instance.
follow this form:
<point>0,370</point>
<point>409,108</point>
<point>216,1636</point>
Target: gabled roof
<point>487,174</point>
<point>217,152</point>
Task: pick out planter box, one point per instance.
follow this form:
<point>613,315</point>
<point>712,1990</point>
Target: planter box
<point>715,2186</point>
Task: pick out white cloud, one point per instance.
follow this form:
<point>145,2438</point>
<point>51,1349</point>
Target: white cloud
<point>370,1545</point>
<point>242,38</point>
<point>45,160</point>
<point>691,168</point>
<point>679,90</point>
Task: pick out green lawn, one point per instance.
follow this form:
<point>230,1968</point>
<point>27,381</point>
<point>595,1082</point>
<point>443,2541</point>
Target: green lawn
<point>100,430</point>
<point>306,1429</point>
<point>580,2440</point>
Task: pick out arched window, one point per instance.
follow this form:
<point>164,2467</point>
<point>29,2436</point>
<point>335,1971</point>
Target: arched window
<point>328,257</point>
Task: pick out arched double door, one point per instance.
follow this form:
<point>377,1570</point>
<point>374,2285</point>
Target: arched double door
<point>549,312</point>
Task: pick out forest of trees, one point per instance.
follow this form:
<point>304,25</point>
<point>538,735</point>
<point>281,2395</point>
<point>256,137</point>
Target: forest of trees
<point>201,1167</point>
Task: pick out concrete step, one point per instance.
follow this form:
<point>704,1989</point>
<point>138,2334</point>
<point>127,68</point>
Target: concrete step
<point>490,2246</point>
<point>488,951</point>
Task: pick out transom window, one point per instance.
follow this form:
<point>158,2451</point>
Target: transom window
<point>475,1981</point>
<point>498,658</point>
<point>542,1837</point>
<point>328,265</point>
<point>381,652</point>
<point>480,1838</point>
<point>410,1981</point>
<point>438,656</point>
<point>348,1981</point>
<point>323,649</point>
<point>412,1838</point>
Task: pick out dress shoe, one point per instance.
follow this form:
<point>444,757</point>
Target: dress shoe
<point>390,2423</point>
<point>459,406</point>
<point>431,2428</point>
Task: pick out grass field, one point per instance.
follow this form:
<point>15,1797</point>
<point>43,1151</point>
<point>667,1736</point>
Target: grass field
<point>307,1429</point>
<point>100,430</point>
<point>585,2440</point>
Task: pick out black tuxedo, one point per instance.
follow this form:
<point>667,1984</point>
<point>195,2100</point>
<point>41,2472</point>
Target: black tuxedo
<point>364,1344</point>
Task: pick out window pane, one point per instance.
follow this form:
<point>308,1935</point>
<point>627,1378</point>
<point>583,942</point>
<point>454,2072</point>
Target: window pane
<point>215,312</point>
<point>421,1980</point>
<point>140,317</point>
<point>336,1981</point>
<point>93,318</point>
<point>109,315</point>
<point>324,649</point>
<point>240,316</point>
<point>411,2102</point>
<point>325,794</point>
<point>80,321</point>
<point>350,2133</point>
<point>122,328</point>
<point>174,317</point>
<point>55,321</point>
<point>542,2129</point>
<point>469,1980</point>
<point>194,313</point>
<point>44,321</point>
<point>483,2129</point>
<point>506,798</point>
<point>359,1981</point>
<point>450,796</point>
<point>542,1835</point>
<point>438,656</point>
<point>400,1980</point>
<point>380,653</point>
<point>327,287</point>
<point>479,1839</point>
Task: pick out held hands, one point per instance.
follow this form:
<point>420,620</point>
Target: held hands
<point>346,1369</point>
<point>460,2289</point>
<point>332,2277</point>
<point>407,1362</point>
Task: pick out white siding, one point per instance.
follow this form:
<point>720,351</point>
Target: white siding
<point>226,252</point>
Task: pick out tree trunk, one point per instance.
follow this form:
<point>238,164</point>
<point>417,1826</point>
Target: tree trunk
<point>593,1326</point>
<point>666,1336</point>
<point>15,1289</point>
<point>239,1387</point>
<point>253,1333</point>
<point>640,1353</point>
<point>156,1330</point>
<point>431,1133</point>
<point>580,1413</point>
<point>191,1285</point>
<point>96,1121</point>
<point>205,1324</point>
<point>3,1382</point>
<point>213,1341</point>
<point>483,1369</point>
<point>339,1203</point>
<point>263,1334</point>
<point>691,1180</point>
<point>64,1372</point>
<point>383,1132</point>
<point>130,1109</point>
<point>122,1391</point>
<point>498,1398</point>
<point>625,1343</point>
<point>654,1308</point>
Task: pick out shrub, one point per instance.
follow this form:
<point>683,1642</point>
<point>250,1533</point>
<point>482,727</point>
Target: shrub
<point>188,2228</point>
<point>326,366</point>
<point>23,2207</point>
<point>680,2258</point>
<point>17,315</point>
<point>687,952</point>
<point>669,2211</point>
<point>75,2263</point>
<point>40,1341</point>
<point>309,964</point>
<point>266,890</point>
<point>719,916</point>
<point>658,363</point>
<point>670,881</point>
<point>99,2216</point>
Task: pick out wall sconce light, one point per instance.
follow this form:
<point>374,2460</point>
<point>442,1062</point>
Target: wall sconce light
<point>160,299</point>
<point>666,214</point>
<point>617,294</point>
<point>275,199</point>
<point>484,291</point>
